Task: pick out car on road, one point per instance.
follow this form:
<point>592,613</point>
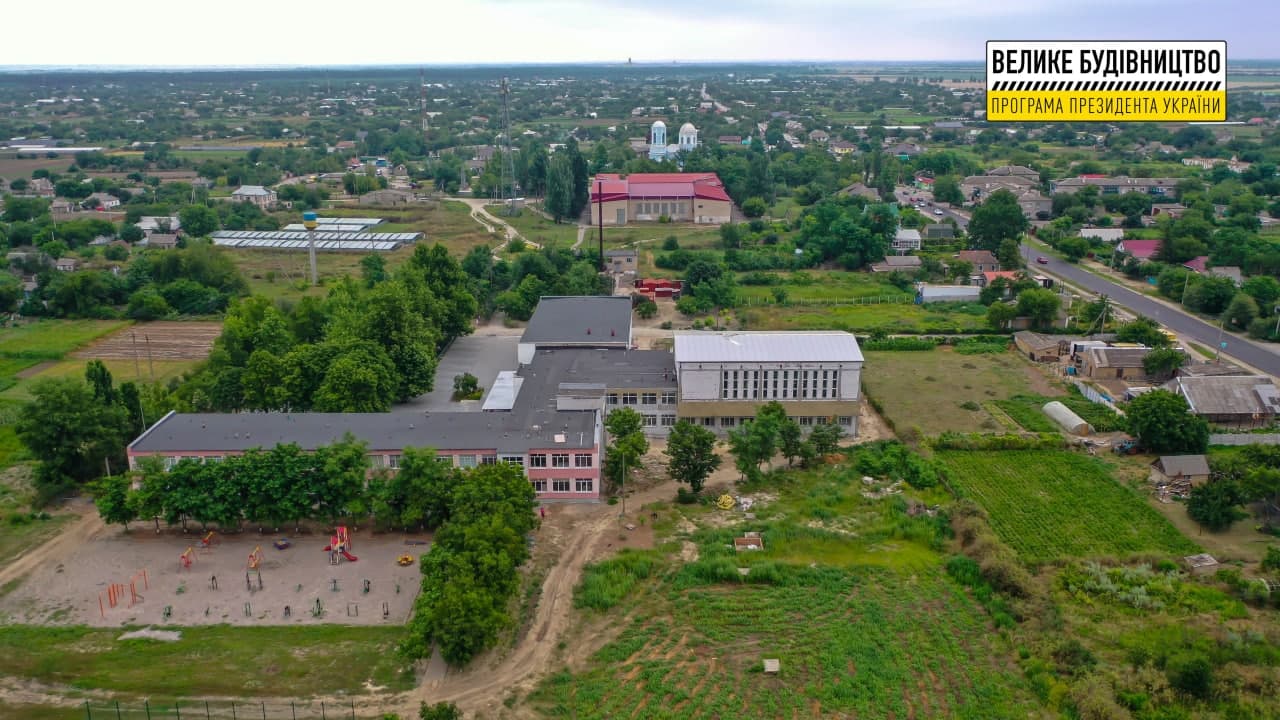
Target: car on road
<point>1042,260</point>
<point>937,212</point>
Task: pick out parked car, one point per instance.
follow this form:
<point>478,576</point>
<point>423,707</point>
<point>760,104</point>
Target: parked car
<point>937,212</point>
<point>1042,260</point>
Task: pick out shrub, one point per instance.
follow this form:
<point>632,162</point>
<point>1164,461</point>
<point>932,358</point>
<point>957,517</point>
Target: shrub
<point>1191,673</point>
<point>605,584</point>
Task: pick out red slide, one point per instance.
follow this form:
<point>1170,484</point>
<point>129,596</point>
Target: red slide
<point>348,555</point>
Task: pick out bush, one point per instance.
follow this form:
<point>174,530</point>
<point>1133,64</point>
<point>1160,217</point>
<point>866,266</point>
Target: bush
<point>671,243</point>
<point>605,584</point>
<point>903,344</point>
<point>1190,673</point>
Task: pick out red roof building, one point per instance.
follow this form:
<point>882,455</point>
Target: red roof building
<point>1139,249</point>
<point>680,197</point>
<point>1197,264</point>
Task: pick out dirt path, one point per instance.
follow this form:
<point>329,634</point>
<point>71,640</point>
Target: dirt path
<point>491,222</point>
<point>78,533</point>
<point>481,689</point>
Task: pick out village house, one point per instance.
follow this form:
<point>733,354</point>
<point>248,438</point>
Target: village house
<point>1108,363</point>
<point>1176,470</point>
<point>1139,249</point>
<point>982,260</point>
<point>620,260</point>
<point>256,194</point>
<point>1235,401</point>
<point>1107,235</point>
<point>1118,185</point>
<point>1038,347</point>
<point>901,263</point>
<point>939,231</point>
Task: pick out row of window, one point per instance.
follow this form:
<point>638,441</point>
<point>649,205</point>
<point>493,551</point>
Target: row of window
<point>661,208</point>
<point>559,460</point>
<point>802,420</point>
<point>779,384</point>
<point>667,398</point>
<point>562,485</point>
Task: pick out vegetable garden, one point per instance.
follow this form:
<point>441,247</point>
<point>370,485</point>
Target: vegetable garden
<point>1049,505</point>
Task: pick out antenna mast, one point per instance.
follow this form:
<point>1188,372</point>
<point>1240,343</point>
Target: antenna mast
<point>508,161</point>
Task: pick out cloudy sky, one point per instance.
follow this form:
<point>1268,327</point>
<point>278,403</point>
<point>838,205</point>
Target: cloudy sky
<point>311,32</point>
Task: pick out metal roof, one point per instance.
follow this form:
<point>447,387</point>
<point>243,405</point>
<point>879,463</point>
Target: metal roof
<point>502,396</point>
<point>1228,394</point>
<point>766,347</point>
<point>325,239</point>
<point>1185,465</point>
<point>580,320</point>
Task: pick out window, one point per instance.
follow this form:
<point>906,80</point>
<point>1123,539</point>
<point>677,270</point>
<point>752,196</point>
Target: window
<point>805,421</point>
<point>560,460</point>
<point>628,398</point>
<point>649,399</point>
<point>583,486</point>
<point>466,461</point>
<point>613,398</point>
<point>539,485</point>
<point>651,421</point>
<point>708,422</point>
<point>537,460</point>
<point>845,420</point>
<point>668,398</point>
<point>393,461</point>
<point>668,420</point>
<point>728,421</point>
<point>560,485</point>
<point>375,461</point>
<point>488,459</point>
<point>582,461</point>
<point>513,460</point>
<point>445,459</point>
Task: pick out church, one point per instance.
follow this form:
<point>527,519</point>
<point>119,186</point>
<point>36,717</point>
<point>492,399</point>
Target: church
<point>660,151</point>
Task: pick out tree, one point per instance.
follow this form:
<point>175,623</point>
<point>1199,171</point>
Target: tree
<point>71,434</point>
<point>99,378</point>
<point>559,198</point>
<point>1144,331</point>
<point>1265,290</point>
<point>627,444</point>
<point>198,220</point>
<point>754,207</point>
<point>465,387</point>
<point>1162,423</point>
<point>1161,363</point>
<point>1000,314</point>
<point>111,497</point>
<point>1242,311</point>
<point>1074,248</point>
<point>442,711</point>
<point>647,309</point>
<point>791,440</point>
<point>998,219</point>
<point>826,438</point>
<point>1010,254</point>
<point>691,454</point>
<point>946,189</point>
<point>1216,505</point>
<point>373,269</point>
<point>1040,305</point>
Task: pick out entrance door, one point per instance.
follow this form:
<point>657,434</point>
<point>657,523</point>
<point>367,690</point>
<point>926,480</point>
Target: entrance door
<point>622,216</point>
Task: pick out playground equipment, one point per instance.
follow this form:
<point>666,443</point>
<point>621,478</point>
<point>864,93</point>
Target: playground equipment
<point>187,557</point>
<point>209,540</point>
<point>339,544</point>
<point>404,560</point>
<point>725,502</point>
<point>255,558</point>
<point>115,592</point>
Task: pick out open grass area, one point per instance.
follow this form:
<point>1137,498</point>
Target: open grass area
<point>217,660</point>
<point>890,317</point>
<point>285,273</point>
<point>825,285</point>
<point>533,226</point>
<point>160,371</point>
<point>1051,505</point>
<point>847,594</point>
<point>51,339</point>
<point>942,390</point>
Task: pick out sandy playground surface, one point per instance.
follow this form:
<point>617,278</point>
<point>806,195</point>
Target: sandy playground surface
<point>67,591</point>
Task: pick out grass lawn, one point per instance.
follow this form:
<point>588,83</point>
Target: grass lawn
<point>825,285</point>
<point>896,317</point>
<point>121,371</point>
<point>942,390</point>
<point>847,594</point>
<point>1051,505</point>
<point>51,339</point>
<point>215,660</point>
<point>536,228</point>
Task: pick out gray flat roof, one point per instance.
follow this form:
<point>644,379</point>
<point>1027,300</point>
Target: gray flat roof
<point>601,320</point>
<point>614,368</point>
<point>766,347</point>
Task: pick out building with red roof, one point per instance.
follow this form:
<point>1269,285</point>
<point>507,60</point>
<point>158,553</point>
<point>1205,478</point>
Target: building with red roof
<point>1139,249</point>
<point>646,197</point>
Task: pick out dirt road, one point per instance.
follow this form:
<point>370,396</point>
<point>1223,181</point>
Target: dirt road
<point>482,689</point>
<point>78,533</point>
<point>490,222</point>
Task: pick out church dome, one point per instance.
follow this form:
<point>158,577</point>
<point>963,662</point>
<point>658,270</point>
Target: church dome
<point>659,124</point>
<point>688,129</point>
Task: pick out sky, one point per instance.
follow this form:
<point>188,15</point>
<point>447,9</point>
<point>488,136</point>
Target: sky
<point>184,33</point>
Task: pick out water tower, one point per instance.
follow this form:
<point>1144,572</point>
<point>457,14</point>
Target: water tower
<point>309,222</point>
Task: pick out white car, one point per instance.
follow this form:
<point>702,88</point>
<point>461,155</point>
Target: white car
<point>937,212</point>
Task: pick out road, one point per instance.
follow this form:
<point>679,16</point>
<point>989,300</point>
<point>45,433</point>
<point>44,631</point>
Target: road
<point>1185,325</point>
<point>910,196</point>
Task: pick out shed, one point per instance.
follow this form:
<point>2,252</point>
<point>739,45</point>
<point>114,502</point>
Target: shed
<point>1202,564</point>
<point>1192,469</point>
<point>1037,347</point>
<point>1066,418</point>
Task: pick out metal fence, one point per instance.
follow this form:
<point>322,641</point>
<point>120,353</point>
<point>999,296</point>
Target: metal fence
<point>1244,439</point>
<point>228,710</point>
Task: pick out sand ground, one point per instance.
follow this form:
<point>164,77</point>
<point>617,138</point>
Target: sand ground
<point>67,590</point>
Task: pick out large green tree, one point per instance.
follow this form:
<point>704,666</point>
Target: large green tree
<point>73,435</point>
<point>559,198</point>
<point>1040,305</point>
<point>691,454</point>
<point>1162,423</point>
<point>998,219</point>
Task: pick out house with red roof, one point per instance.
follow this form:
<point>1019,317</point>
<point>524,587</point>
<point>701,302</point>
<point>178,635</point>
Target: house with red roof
<point>990,276</point>
<point>648,197</point>
<point>1139,249</point>
<point>1197,264</point>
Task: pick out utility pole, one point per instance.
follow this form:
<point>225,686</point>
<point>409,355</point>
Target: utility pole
<point>1222,324</point>
<point>309,222</point>
<point>600,217</point>
<point>151,366</point>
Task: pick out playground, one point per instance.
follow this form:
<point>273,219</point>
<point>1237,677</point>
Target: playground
<point>335,575</point>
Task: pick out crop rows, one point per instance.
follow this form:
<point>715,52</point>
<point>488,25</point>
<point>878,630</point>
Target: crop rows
<point>1055,504</point>
<point>875,644</point>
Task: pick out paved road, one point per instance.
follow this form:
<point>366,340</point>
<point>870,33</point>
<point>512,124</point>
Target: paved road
<point>904,194</point>
<point>1206,334</point>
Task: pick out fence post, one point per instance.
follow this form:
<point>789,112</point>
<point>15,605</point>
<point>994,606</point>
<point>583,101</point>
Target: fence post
<point>353,710</point>
<point>146,705</point>
<point>233,710</point>
<point>176,711</point>
<point>322,715</point>
<point>293,710</point>
<point>264,710</point>
<point>87,710</point>
<point>118,715</point>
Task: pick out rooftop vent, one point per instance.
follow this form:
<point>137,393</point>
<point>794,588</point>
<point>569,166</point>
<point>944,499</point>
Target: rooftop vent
<point>559,437</point>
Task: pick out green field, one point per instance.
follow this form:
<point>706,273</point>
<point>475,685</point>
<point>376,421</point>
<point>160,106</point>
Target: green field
<point>942,390</point>
<point>825,285</point>
<point>217,660</point>
<point>1052,505</point>
<point>51,339</point>
<point>848,594</point>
